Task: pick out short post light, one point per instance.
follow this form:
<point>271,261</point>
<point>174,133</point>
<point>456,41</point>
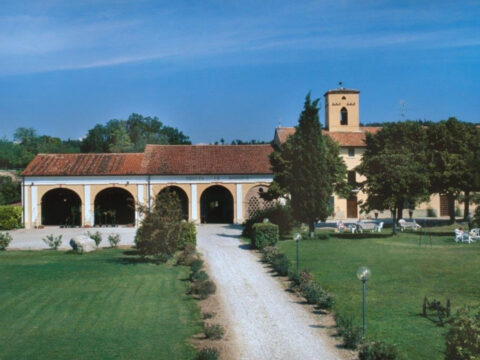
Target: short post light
<point>297,238</point>
<point>363,274</point>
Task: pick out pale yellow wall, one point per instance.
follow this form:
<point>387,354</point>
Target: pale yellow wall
<point>245,189</point>
<point>334,103</point>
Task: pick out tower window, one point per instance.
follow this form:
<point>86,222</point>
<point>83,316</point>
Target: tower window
<point>352,179</point>
<point>351,152</point>
<point>343,116</point>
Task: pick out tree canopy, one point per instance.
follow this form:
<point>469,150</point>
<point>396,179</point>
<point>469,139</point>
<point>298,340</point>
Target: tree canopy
<point>308,168</point>
<point>394,167</point>
<point>454,159</point>
<point>131,135</point>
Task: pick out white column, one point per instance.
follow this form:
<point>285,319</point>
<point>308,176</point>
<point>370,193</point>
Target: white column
<point>34,205</point>
<point>141,201</point>
<point>26,207</point>
<point>140,194</point>
<point>87,217</point>
<point>239,204</point>
<point>150,200</point>
<point>193,195</point>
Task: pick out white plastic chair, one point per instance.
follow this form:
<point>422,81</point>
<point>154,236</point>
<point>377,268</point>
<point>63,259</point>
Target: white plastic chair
<point>461,236</point>
<point>408,225</point>
<point>379,227</point>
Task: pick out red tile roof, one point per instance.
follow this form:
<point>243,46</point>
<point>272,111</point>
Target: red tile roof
<point>84,164</point>
<point>158,160</point>
<point>342,138</point>
<point>207,159</point>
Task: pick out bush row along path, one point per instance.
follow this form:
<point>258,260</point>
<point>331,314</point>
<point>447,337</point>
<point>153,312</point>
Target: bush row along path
<point>267,323</point>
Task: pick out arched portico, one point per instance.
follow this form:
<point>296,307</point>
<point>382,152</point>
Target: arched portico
<point>216,205</point>
<point>61,207</point>
<point>114,206</point>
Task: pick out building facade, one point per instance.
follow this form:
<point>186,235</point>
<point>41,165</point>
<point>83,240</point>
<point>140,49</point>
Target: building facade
<point>219,184</point>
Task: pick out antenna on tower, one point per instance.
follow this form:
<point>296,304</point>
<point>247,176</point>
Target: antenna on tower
<point>403,109</point>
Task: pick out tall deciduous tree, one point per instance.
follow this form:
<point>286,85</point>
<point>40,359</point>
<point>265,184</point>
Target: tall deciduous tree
<point>309,168</point>
<point>453,147</point>
<point>394,165</point>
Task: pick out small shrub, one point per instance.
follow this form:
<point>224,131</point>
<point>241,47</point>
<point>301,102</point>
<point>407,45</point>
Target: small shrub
<point>113,239</point>
<point>299,280</point>
<point>5,240</point>
<point>352,335</point>
<point>462,340</point>
<point>203,289</point>
<point>96,236</point>
<point>207,354</point>
<point>378,350</point>
<point>264,234</point>
<point>52,241</point>
<point>326,300</point>
<point>186,258</point>
<point>188,235</point>
<point>281,264</point>
<point>312,292</point>
<point>281,215</point>
<point>196,265</point>
<point>214,332</point>
<point>268,253</point>
<point>199,276</point>
<point>431,212</point>
<point>208,315</point>
<point>10,217</point>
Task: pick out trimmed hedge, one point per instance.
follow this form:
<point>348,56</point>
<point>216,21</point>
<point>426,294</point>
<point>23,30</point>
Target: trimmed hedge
<point>188,235</point>
<point>10,217</point>
<point>281,215</point>
<point>264,234</point>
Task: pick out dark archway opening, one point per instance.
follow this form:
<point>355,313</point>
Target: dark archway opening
<point>61,207</point>
<point>182,195</point>
<point>114,206</point>
<point>216,205</point>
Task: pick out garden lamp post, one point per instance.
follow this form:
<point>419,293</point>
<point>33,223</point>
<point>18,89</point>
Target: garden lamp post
<point>297,238</point>
<point>363,274</point>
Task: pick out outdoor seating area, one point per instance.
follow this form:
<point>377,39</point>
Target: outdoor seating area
<point>468,237</point>
<point>404,225</point>
<point>360,226</point>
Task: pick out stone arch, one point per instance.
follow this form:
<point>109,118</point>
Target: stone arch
<point>61,207</point>
<point>216,205</point>
<point>182,195</point>
<point>114,206</point>
<point>254,202</point>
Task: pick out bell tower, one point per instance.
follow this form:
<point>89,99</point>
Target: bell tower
<point>342,110</point>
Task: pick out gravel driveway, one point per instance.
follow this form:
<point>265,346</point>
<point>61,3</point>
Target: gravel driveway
<point>266,321</point>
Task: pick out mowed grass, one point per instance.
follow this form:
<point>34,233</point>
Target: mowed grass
<point>101,305</point>
<point>403,272</point>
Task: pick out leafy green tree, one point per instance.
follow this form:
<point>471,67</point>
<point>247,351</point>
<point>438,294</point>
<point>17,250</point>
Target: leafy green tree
<point>161,229</point>
<point>453,157</point>
<point>394,165</point>
<point>119,140</point>
<point>10,191</point>
<point>140,131</point>
<point>309,168</point>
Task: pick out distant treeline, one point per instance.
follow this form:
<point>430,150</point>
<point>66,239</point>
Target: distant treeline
<point>129,135</point>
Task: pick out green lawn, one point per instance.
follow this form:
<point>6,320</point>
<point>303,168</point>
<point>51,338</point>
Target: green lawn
<point>102,305</point>
<point>402,274</point>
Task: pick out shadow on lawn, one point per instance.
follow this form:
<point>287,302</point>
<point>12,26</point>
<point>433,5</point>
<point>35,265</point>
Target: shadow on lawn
<point>133,257</point>
<point>360,236</point>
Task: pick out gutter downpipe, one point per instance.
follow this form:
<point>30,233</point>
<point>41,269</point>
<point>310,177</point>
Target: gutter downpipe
<point>148,192</point>
<point>23,201</point>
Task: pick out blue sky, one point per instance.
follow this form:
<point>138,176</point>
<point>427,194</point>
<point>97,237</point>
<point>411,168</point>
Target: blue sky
<point>232,69</point>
